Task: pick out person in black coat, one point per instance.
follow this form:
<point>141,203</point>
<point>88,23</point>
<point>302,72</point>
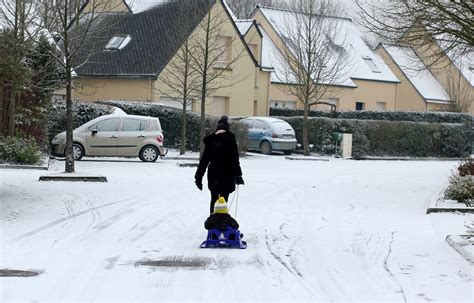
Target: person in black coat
<point>221,159</point>
<point>220,218</point>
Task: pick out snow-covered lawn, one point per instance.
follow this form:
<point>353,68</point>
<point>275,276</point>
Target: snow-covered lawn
<point>339,230</point>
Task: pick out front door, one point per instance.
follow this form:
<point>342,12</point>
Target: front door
<point>102,138</point>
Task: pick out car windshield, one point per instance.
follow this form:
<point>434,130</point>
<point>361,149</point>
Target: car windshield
<point>281,127</point>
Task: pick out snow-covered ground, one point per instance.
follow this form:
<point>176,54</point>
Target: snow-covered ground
<point>318,231</point>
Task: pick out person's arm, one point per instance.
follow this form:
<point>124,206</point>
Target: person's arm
<point>235,158</point>
<point>209,224</point>
<point>203,163</point>
<point>233,223</point>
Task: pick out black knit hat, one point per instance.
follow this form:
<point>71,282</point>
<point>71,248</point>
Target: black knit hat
<point>223,123</point>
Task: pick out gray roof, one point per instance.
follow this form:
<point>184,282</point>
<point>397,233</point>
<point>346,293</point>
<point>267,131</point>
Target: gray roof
<point>155,38</point>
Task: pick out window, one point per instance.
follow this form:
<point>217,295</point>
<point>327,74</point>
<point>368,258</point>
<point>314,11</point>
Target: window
<point>218,107</point>
<point>130,125</point>
<point>223,50</point>
<point>360,105</point>
<point>284,104</point>
<point>110,125</point>
<point>248,122</point>
<point>381,106</point>
<point>118,42</point>
<point>176,102</point>
<point>332,101</point>
<point>371,64</point>
<point>258,124</point>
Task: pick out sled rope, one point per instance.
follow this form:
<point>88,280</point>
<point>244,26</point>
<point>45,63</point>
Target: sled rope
<point>236,196</point>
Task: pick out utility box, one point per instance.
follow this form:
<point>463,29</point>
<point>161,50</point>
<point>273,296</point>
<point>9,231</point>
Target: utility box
<point>346,145</point>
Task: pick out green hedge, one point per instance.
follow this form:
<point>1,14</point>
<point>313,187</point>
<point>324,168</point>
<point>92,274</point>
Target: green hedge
<point>170,119</point>
<point>388,138</point>
<point>22,150</point>
<point>435,117</point>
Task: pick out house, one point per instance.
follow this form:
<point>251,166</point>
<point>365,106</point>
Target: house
<point>446,83</point>
<point>138,53</point>
<point>419,89</point>
<point>368,83</point>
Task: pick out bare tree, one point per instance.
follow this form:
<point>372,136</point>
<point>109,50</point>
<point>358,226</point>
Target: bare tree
<point>314,57</point>
<point>179,80</point>
<point>418,23</point>
<point>244,8</point>
<point>213,56</point>
<point>73,22</point>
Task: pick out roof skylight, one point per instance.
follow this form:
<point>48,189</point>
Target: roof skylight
<point>371,64</point>
<point>118,42</point>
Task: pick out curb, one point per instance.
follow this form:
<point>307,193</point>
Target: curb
<point>434,208</point>
<point>459,244</point>
<point>404,159</point>
<point>74,178</point>
<point>43,166</point>
<point>187,164</point>
<point>306,159</point>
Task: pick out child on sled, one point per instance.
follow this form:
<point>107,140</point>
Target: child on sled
<point>220,218</point>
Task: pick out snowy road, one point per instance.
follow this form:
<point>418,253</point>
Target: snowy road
<point>316,231</point>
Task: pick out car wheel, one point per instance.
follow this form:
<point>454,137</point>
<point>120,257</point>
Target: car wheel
<point>77,151</point>
<point>149,154</point>
<point>266,148</point>
<point>287,152</point>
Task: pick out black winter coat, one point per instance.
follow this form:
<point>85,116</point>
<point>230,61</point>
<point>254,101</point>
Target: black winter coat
<point>221,158</point>
<point>220,221</point>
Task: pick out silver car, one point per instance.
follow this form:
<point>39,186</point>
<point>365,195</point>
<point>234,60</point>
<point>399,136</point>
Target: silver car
<point>268,134</point>
<point>115,135</point>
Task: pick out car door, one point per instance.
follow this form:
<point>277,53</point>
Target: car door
<point>256,133</point>
<point>102,138</point>
<point>131,138</point>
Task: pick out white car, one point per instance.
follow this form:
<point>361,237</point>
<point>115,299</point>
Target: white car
<point>115,135</point>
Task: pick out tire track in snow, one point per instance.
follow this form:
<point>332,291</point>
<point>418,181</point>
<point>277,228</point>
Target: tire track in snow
<point>296,274</point>
<point>385,266</point>
<point>56,222</point>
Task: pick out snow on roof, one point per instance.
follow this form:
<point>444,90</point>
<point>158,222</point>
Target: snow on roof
<point>138,6</point>
<point>363,62</point>
<point>243,26</point>
<point>234,17</point>
<point>424,82</point>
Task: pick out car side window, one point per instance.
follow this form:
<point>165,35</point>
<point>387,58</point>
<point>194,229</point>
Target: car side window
<point>249,123</point>
<point>109,125</point>
<point>259,124</point>
<point>132,125</point>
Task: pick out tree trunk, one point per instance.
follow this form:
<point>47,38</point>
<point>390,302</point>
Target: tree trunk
<point>204,86</point>
<point>69,124</point>
<point>305,128</point>
<point>183,129</point>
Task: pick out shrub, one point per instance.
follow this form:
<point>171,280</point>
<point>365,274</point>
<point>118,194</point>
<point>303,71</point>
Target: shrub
<point>171,118</point>
<point>388,138</point>
<point>460,189</point>
<point>434,117</point>
<point>22,150</point>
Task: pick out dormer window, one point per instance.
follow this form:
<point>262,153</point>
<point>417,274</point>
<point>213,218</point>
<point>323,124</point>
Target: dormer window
<point>118,42</point>
<point>371,64</point>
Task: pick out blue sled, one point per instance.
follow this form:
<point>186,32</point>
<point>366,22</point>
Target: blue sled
<point>229,238</point>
